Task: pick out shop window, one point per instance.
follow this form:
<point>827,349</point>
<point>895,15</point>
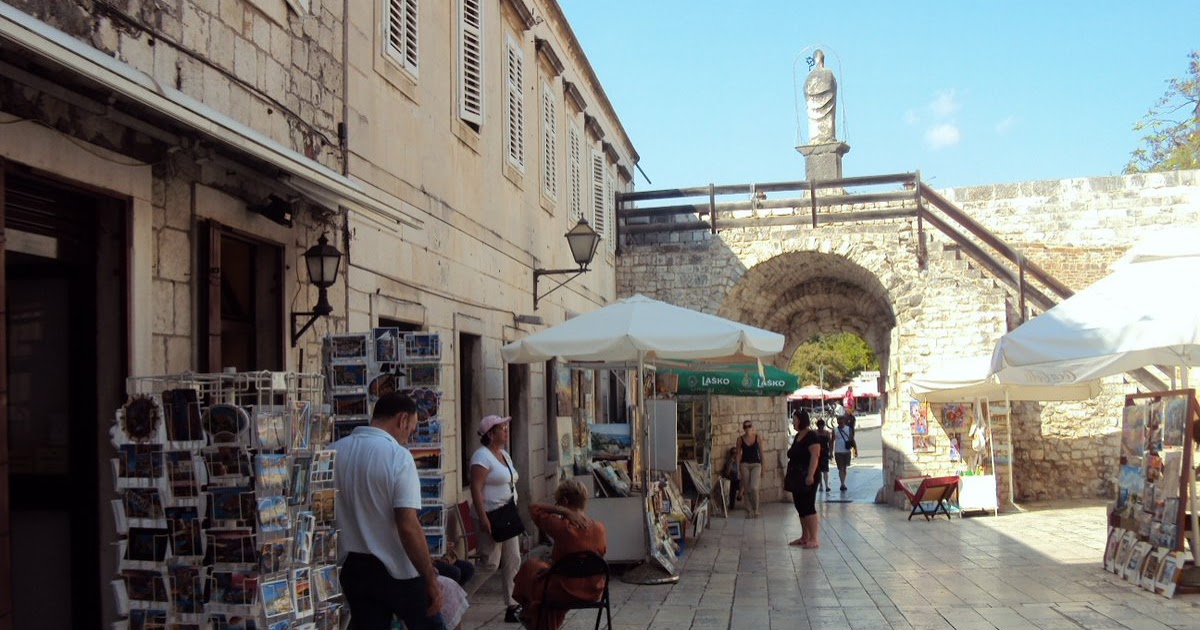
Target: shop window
<point>241,305</point>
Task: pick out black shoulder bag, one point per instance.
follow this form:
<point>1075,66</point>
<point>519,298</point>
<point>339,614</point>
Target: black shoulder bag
<point>506,520</point>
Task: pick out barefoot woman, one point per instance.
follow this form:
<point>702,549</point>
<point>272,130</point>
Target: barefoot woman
<point>801,479</point>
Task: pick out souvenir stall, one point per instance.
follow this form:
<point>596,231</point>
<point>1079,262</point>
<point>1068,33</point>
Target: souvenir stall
<point>361,367</point>
<point>963,417</point>
<point>1086,337</point>
<point>226,502</point>
<point>640,334</point>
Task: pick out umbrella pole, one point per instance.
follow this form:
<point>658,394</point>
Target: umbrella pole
<point>1012,451</point>
<point>1191,479</point>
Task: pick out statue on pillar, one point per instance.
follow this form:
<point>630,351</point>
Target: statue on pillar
<point>820,92</point>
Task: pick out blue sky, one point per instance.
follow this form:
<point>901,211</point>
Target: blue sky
<point>968,92</point>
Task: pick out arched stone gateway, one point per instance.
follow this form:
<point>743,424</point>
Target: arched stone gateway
<point>768,266</point>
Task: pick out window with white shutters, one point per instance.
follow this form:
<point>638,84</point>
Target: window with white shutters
<point>574,174</point>
<point>599,197</point>
<point>515,101</point>
<point>400,31</point>
<point>610,188</point>
<point>470,61</point>
<point>549,146</point>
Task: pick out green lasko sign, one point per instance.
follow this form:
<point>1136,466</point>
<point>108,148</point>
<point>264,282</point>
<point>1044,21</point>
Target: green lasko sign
<point>736,380</point>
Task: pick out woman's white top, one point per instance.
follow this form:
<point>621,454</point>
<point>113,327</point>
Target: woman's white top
<point>500,485</point>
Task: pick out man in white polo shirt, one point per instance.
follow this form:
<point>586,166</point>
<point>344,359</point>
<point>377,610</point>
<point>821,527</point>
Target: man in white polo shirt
<point>387,570</point>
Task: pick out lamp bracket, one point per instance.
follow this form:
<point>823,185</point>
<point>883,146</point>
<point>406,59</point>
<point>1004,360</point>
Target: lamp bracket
<point>537,273</point>
<point>322,309</point>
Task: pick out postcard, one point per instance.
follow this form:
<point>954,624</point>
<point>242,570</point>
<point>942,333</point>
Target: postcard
<point>271,428</point>
<point>277,598</point>
<point>348,377</point>
<point>232,546</point>
<point>323,505</point>
<point>143,461</point>
<point>427,459</point>
<point>237,588</point>
<point>424,374</point>
<point>187,588</point>
<point>301,425</point>
<point>143,503</point>
<point>432,516</point>
<point>302,546</point>
<point>350,405</point>
<point>144,585</point>
<point>235,503</point>
<point>227,462</point>
<point>320,429</point>
<point>181,474</point>
<point>298,488</point>
<point>275,556</point>
<point>383,385</point>
<point>322,466</point>
<point>325,581</point>
<point>271,472</point>
<point>147,544</point>
<point>344,427</point>
<point>302,593</point>
<point>431,488</point>
<point>183,419</point>
<point>328,616</point>
<point>422,346</point>
<point>183,523</point>
<point>324,549</point>
<point>272,515</point>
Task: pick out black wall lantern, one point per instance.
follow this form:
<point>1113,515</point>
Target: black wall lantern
<point>322,261</point>
<point>582,240</point>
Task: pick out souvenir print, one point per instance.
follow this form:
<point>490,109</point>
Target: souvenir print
<point>428,400</point>
<point>301,425</point>
<point>348,348</point>
<point>1114,543</point>
<point>283,624</point>
<point>1168,573</point>
<point>1128,540</point>
<point>1151,568</point>
<point>320,430</point>
<point>277,598</point>
<point>956,415</point>
<point>1175,421</point>
<point>387,344</point>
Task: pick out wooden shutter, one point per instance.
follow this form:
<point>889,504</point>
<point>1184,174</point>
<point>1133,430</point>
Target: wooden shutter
<point>516,105</point>
<point>549,148</point>
<point>470,61</point>
<point>598,200</point>
<point>401,31</point>
<point>574,179</point>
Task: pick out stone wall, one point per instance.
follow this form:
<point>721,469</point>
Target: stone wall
<point>1073,228</point>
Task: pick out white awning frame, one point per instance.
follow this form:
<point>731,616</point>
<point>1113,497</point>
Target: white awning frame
<point>135,86</point>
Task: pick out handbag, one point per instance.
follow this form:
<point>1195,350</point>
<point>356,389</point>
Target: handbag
<point>506,520</point>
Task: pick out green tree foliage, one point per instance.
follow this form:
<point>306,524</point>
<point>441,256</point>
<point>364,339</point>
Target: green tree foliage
<point>844,356</point>
<point>1172,126</point>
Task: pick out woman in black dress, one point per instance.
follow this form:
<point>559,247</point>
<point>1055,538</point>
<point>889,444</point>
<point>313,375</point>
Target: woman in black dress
<point>801,479</point>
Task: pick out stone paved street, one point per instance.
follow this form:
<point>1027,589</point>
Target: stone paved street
<point>875,569</point>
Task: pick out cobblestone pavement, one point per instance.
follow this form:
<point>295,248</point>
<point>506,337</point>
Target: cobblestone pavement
<point>875,569</point>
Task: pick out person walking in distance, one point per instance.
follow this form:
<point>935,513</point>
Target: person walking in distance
<point>843,444</point>
<point>386,570</point>
<point>826,454</point>
<point>749,457</point>
<point>493,487</point>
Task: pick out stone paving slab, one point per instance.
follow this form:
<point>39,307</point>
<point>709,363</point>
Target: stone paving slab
<point>1039,568</point>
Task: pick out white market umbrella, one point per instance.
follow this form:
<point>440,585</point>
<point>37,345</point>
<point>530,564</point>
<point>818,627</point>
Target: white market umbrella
<point>809,392</point>
<point>638,328</point>
<point>1144,313</point>
<point>968,378</point>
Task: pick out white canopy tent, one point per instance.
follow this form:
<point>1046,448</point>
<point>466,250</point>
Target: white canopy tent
<point>969,379</point>
<point>1144,313</point>
<point>638,330</point>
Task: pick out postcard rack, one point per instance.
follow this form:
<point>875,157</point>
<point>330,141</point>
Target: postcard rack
<point>1156,492</point>
<point>225,503</point>
<point>360,368</point>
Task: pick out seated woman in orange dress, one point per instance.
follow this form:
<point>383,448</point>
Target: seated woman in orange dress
<point>572,531</point>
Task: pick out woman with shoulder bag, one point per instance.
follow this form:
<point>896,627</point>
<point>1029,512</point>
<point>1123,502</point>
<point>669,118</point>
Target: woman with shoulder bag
<point>494,493</point>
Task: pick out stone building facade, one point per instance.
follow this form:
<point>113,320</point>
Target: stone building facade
<point>167,164</point>
<point>865,278</point>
